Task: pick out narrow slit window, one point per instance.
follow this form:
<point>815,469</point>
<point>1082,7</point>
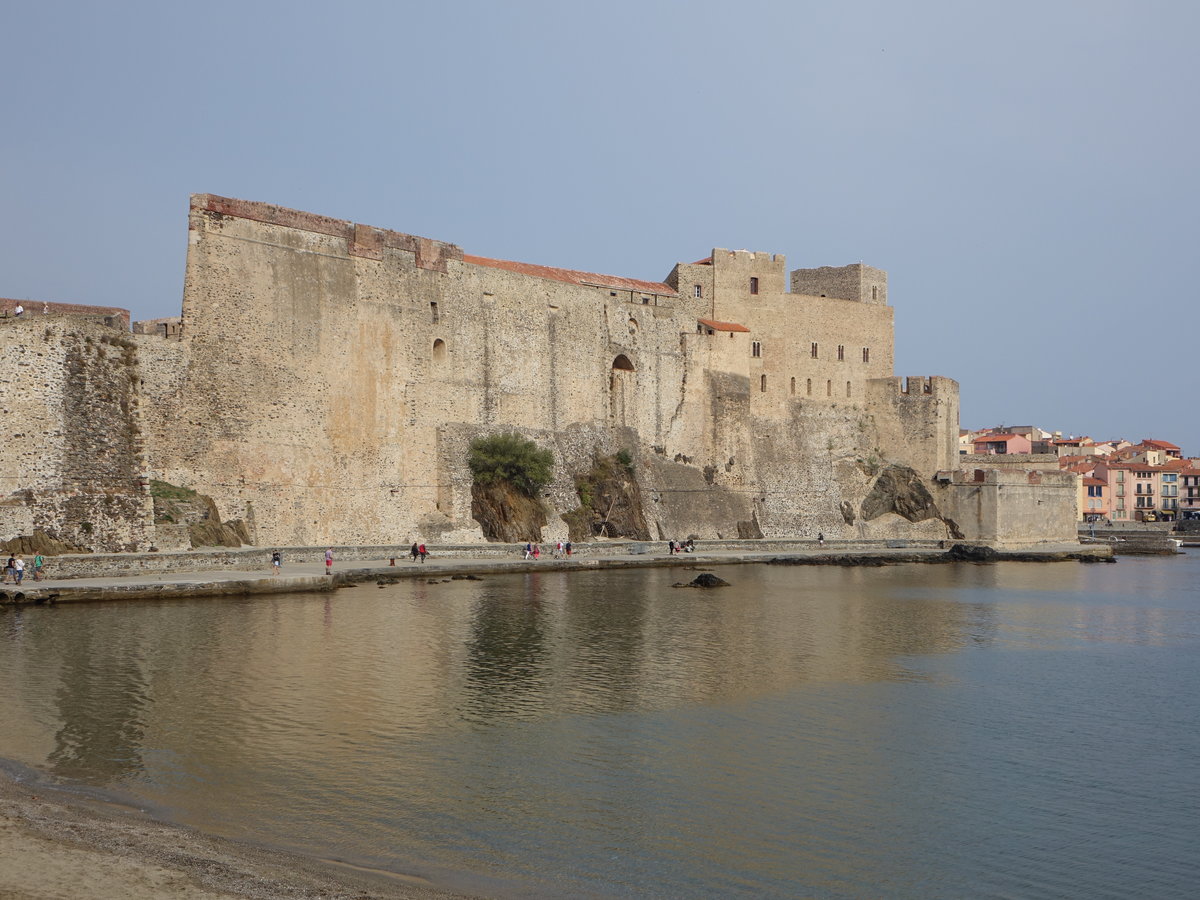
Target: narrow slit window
<point>753,285</point>
<point>762,384</point>
<point>866,354</point>
<point>813,350</point>
<point>755,348</point>
<point>841,352</point>
<point>433,312</point>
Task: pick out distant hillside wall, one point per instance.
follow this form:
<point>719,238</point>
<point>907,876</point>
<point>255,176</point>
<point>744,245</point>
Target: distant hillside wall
<point>73,462</point>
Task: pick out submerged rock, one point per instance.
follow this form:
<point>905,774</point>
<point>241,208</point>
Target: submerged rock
<point>971,553</point>
<point>708,580</point>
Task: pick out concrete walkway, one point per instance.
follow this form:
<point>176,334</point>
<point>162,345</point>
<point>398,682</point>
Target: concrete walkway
<point>310,576</point>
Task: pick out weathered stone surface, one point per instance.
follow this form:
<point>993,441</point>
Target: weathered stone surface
<point>610,503</point>
<point>325,378</point>
<point>507,515</point>
<point>900,490</point>
<point>38,542</point>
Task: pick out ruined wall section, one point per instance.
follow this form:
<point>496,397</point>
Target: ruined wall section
<point>73,464</point>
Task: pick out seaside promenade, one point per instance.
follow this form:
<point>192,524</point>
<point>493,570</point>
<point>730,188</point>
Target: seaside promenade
<point>248,571</point>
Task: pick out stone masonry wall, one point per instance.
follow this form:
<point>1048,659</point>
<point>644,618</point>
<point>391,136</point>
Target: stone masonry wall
<point>377,356</point>
<point>74,462</point>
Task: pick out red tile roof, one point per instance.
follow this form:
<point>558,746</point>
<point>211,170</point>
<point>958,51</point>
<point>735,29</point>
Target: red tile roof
<point>1160,445</point>
<point>707,261</point>
<point>723,326</point>
<point>1090,480</point>
<point>571,276</point>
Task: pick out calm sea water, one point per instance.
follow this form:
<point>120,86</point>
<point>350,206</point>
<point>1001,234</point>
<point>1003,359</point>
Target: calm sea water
<point>1007,730</point>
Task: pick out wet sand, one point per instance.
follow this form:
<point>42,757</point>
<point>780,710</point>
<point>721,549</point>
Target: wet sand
<point>55,846</point>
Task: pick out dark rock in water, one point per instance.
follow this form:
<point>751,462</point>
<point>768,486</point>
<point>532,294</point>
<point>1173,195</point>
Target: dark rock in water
<point>971,553</point>
<point>708,580</point>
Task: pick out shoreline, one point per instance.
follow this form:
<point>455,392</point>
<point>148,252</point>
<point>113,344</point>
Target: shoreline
<point>306,577</point>
<point>57,843</point>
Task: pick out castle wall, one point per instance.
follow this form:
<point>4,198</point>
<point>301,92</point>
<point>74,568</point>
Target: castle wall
<point>73,459</point>
<point>918,420</point>
<point>326,379</point>
<point>1010,507</point>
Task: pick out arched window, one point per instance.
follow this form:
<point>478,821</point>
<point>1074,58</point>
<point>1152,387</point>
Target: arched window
<point>808,388</point>
<point>829,388</point>
<point>622,363</point>
<point>793,387</point>
<point>762,385</point>
<point>439,351</point>
<point>847,389</point>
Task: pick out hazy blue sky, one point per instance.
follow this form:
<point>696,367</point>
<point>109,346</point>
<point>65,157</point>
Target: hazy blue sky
<point>1026,172</point>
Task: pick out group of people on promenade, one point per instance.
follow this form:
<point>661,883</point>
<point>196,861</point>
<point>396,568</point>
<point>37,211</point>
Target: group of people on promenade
<point>674,547</point>
<point>14,569</point>
<point>562,549</point>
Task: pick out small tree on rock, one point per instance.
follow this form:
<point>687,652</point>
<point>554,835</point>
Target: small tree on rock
<point>511,458</point>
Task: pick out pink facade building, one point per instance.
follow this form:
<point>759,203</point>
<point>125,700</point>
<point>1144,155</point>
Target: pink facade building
<point>989,444</point>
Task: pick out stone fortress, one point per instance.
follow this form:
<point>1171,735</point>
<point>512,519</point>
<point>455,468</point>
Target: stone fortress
<point>325,380</point>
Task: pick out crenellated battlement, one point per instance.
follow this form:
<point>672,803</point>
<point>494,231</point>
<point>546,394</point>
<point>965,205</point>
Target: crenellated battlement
<point>917,387</point>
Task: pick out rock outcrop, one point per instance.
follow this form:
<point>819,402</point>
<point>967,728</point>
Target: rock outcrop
<point>899,490</point>
<point>506,514</point>
<point>610,503</point>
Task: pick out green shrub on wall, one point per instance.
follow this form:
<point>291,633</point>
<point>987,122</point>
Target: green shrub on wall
<point>513,459</point>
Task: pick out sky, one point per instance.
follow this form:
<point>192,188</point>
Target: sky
<point>1026,172</point>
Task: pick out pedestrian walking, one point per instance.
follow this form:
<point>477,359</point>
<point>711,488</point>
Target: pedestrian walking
<point>414,551</point>
<point>558,550</point>
<point>19,568</point>
<point>423,552</point>
<point>276,562</point>
<point>39,562</point>
<point>329,561</point>
<point>528,550</point>
<point>537,551</point>
<point>820,539</point>
<point>10,570</point>
<point>567,547</point>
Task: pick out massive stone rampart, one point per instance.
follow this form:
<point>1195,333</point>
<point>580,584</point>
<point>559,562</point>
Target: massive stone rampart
<point>325,379</point>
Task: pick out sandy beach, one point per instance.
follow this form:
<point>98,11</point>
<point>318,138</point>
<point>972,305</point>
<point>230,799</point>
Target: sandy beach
<point>54,846</point>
